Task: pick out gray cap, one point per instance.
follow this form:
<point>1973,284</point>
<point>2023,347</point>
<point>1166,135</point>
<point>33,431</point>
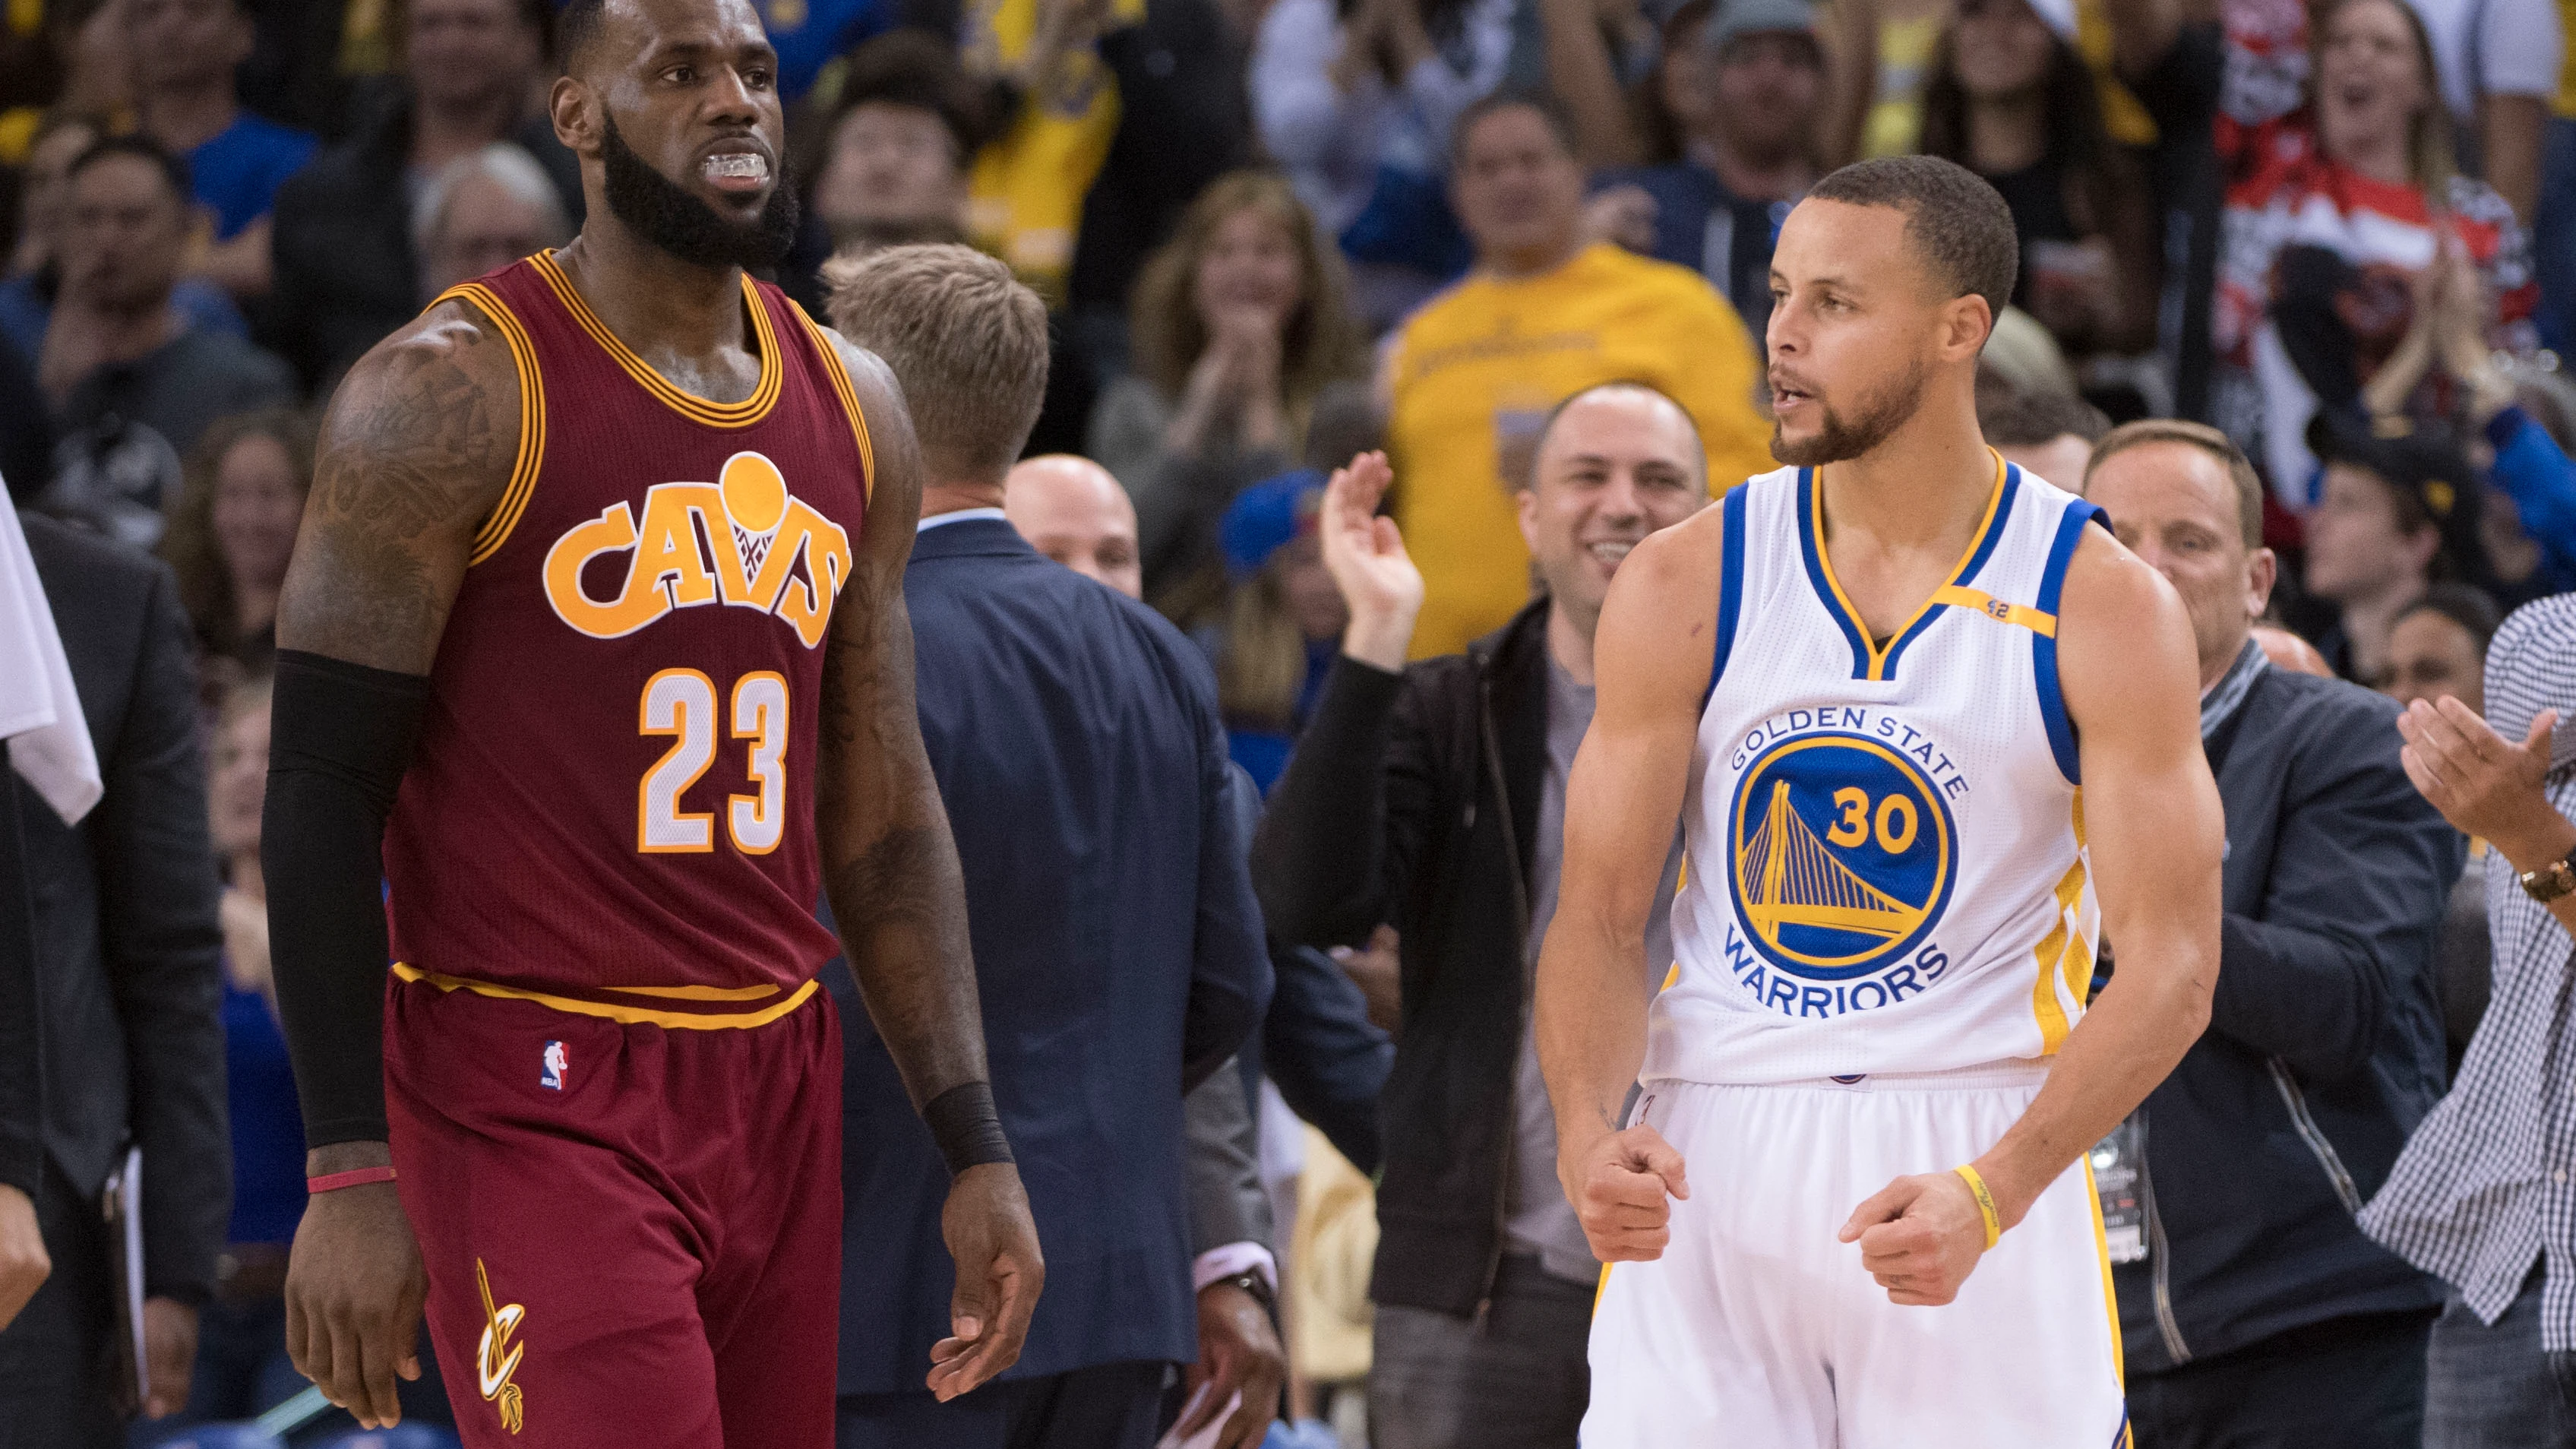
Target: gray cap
<point>1757,17</point>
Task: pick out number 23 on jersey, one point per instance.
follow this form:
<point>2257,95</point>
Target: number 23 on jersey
<point>682,703</point>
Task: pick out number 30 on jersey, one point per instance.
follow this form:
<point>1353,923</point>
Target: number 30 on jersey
<point>682,703</point>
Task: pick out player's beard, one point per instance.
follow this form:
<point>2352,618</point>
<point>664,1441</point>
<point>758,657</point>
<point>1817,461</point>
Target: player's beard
<point>1838,439</point>
<point>666,215</point>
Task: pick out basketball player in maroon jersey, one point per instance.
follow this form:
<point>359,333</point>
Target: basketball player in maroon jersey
<point>594,646</point>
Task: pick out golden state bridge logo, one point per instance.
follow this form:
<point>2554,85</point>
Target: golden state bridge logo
<point>742,540</point>
<point>1844,857</point>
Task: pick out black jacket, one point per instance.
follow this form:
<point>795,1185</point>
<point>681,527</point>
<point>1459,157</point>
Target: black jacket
<point>1414,799</point>
<point>346,272</point>
<point>128,950</point>
<point>2325,1043</point>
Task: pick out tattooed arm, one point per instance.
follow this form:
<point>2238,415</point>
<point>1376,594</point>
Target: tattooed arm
<point>416,449</point>
<point>890,869</point>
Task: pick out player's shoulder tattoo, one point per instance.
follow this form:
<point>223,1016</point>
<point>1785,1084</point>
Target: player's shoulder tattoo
<point>417,446</point>
<point>425,429</point>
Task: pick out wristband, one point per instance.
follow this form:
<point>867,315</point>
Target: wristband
<point>354,1177</point>
<point>1985,1203</point>
<point>967,1127</point>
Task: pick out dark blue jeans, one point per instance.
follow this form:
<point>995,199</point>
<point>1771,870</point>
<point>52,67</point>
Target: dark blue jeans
<point>2492,1386</point>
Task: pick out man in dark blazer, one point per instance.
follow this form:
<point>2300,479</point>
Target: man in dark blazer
<point>1118,951</point>
<point>128,956</point>
<point>2254,1313</point>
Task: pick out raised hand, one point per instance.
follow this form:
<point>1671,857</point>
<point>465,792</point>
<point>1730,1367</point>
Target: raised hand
<point>999,1275</point>
<point>2483,783</point>
<point>1365,555</point>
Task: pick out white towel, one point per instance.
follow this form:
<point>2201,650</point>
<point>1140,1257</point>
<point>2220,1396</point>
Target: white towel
<point>40,715</point>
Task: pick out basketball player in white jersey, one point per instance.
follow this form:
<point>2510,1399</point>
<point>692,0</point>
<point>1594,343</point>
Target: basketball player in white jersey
<point>1844,1211</point>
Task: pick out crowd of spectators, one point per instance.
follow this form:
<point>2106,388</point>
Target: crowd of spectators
<point>2295,278</point>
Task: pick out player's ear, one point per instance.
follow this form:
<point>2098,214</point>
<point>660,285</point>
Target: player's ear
<point>574,109</point>
<point>1966,323</point>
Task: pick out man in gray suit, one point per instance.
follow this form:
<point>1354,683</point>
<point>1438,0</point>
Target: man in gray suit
<point>128,956</point>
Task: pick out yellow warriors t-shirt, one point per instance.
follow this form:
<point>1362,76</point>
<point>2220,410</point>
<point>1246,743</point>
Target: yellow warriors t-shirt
<point>1472,376</point>
<point>1024,197</point>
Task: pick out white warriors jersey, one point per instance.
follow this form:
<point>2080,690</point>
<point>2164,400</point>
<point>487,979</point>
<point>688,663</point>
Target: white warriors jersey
<point>1886,842</point>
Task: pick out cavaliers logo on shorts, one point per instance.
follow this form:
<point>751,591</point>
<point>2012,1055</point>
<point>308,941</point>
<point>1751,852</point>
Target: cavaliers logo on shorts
<point>496,1358</point>
<point>1844,857</point>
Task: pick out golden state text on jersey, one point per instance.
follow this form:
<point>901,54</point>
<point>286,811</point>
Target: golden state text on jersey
<point>1886,839</point>
<point>1844,856</point>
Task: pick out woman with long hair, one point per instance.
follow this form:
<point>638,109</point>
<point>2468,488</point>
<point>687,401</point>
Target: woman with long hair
<point>233,528</point>
<point>2334,213</point>
<point>1239,323</point>
<point>2009,98</point>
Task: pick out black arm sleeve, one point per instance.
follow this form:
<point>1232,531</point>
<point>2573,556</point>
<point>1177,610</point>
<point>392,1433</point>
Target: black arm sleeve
<point>340,737</point>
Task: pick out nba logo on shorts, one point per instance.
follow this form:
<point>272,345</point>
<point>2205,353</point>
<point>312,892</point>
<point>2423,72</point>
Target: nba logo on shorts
<point>554,1063</point>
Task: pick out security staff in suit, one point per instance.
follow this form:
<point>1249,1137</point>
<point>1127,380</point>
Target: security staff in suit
<point>1118,952</point>
<point>128,956</point>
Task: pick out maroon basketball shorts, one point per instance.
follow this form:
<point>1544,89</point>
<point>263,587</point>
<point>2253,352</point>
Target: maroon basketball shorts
<point>632,1231</point>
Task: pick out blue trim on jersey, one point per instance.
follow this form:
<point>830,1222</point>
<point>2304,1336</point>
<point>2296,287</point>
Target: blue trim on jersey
<point>1811,548</point>
<point>1730,589</point>
<point>2043,647</point>
<point>1984,550</point>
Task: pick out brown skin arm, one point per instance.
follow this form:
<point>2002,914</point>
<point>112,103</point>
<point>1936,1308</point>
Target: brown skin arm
<point>2154,831</point>
<point>416,449</point>
<point>1651,662</point>
<point>890,869</point>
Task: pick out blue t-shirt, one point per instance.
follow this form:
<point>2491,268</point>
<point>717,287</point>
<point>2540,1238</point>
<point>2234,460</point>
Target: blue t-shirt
<point>237,173</point>
<point>268,1126</point>
<point>808,33</point>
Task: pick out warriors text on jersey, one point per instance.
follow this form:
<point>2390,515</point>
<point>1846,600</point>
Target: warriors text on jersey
<point>1886,837</point>
<point>612,802</point>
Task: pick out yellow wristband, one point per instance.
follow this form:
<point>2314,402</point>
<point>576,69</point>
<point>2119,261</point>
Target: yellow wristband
<point>1985,1203</point>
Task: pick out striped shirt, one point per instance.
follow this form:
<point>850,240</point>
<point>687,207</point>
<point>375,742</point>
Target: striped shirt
<point>2489,1181</point>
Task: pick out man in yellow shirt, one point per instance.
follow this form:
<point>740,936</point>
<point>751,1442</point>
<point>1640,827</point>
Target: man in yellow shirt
<point>1471,377</point>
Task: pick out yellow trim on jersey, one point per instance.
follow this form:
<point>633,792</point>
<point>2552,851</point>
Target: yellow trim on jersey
<point>2063,952</point>
<point>496,526</point>
<point>687,404</point>
<point>2035,620</point>
<point>698,993</point>
<point>625,1015</point>
<point>1825,562</point>
<point>840,374</point>
<point>2110,1297</point>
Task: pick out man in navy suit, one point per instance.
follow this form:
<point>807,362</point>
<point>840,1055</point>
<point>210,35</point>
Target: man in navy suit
<point>1118,950</point>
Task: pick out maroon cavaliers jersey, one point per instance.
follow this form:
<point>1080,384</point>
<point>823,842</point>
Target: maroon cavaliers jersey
<point>612,804</point>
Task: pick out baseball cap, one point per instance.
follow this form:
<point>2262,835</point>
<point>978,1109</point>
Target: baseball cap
<point>2417,462</point>
<point>1266,517</point>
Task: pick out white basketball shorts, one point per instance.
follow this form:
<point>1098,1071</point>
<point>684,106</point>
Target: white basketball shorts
<point>1758,1327</point>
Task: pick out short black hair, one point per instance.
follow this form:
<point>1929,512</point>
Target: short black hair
<point>1559,120</point>
<point>1958,223</point>
<point>2026,418</point>
<point>916,69</point>
<point>172,167</point>
<point>576,26</point>
<point>2462,604</point>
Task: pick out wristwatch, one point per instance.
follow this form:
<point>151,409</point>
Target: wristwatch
<point>2552,880</point>
<point>1256,1285</point>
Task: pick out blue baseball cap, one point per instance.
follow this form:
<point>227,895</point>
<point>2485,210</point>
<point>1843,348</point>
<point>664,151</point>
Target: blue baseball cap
<point>1266,518</point>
